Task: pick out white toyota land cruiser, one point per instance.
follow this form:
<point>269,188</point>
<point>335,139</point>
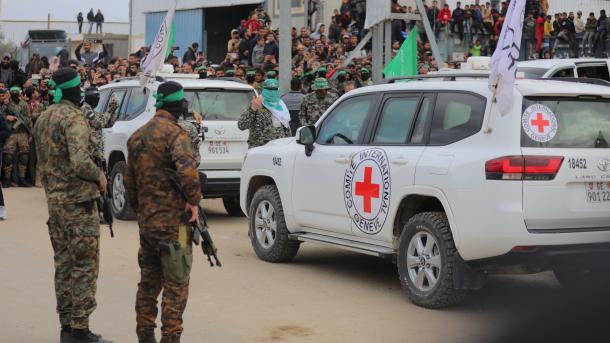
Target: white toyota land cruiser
<point>429,173</point>
<point>220,102</point>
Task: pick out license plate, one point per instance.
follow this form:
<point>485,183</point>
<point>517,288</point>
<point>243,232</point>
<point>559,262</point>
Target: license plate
<point>218,148</point>
<point>598,192</point>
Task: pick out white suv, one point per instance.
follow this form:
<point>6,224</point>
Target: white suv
<point>220,103</point>
<point>430,174</point>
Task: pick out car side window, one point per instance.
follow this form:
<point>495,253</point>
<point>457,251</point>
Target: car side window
<point>116,97</point>
<point>596,72</point>
<point>566,72</point>
<point>419,132</point>
<point>103,100</point>
<point>456,116</point>
<point>135,105</point>
<point>345,124</point>
<point>396,120</point>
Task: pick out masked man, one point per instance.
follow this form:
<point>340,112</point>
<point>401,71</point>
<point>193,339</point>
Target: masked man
<point>316,103</point>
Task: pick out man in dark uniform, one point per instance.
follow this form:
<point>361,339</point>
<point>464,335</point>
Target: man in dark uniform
<point>156,150</point>
<point>72,183</point>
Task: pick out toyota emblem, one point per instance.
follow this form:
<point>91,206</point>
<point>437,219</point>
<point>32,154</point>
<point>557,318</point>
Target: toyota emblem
<point>604,165</point>
<point>220,131</point>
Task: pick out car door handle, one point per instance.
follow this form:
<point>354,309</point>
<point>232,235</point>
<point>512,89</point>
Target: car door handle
<point>400,161</point>
<point>342,160</point>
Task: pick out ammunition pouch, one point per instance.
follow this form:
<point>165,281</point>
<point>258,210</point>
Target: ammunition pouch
<point>176,261</point>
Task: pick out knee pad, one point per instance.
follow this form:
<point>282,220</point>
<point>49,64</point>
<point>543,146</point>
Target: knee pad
<point>7,159</point>
<point>24,158</point>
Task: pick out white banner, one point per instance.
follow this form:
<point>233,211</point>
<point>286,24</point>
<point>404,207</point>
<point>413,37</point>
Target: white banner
<point>159,47</point>
<point>504,60</point>
<point>376,11</point>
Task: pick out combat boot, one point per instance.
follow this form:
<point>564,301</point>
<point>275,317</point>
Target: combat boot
<point>65,333</point>
<point>147,336</point>
<point>24,183</point>
<point>86,336</point>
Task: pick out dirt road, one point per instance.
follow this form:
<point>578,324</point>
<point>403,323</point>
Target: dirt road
<point>325,295</point>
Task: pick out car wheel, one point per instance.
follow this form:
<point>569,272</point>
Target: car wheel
<point>426,256</point>
<point>583,280</point>
<point>232,206</point>
<point>268,231</point>
<point>118,194</point>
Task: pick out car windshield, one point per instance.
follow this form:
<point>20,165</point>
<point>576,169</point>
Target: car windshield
<point>219,104</point>
<point>532,73</point>
<point>577,122</point>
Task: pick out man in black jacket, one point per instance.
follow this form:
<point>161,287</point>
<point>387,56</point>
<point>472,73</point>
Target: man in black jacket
<point>99,20</point>
<point>191,53</point>
<point>90,19</point>
<point>601,35</point>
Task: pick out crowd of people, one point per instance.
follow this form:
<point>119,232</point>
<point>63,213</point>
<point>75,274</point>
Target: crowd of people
<point>320,64</point>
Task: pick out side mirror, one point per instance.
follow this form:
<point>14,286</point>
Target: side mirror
<point>306,136</point>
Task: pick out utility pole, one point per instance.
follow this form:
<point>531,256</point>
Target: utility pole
<point>48,21</point>
<point>285,46</point>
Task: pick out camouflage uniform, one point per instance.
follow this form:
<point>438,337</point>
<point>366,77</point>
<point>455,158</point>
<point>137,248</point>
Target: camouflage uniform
<point>160,209</point>
<point>313,107</point>
<point>36,109</point>
<point>70,177</point>
<point>262,125</point>
<point>97,122</point>
<point>193,136</point>
<point>17,145</point>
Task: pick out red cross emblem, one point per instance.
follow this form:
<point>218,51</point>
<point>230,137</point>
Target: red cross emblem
<point>540,122</point>
<point>367,189</point>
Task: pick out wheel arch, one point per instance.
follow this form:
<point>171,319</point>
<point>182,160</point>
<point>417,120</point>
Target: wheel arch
<point>254,183</point>
<point>423,199</point>
<point>114,157</point>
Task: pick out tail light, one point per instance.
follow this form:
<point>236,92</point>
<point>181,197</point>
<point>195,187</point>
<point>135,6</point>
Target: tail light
<point>536,168</point>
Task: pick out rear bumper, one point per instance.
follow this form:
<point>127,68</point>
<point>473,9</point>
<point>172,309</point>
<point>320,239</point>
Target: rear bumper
<point>546,257</point>
<point>218,188</point>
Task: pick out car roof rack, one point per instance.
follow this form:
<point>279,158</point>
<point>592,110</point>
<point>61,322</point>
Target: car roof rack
<point>592,81</point>
<point>444,76</point>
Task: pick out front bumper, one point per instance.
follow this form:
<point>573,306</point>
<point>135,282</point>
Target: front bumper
<point>532,259</point>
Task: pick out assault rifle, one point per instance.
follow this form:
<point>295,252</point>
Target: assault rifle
<point>201,234</point>
<point>20,120</point>
<point>104,202</point>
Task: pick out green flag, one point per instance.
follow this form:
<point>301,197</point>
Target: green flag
<point>405,61</point>
<point>170,41</point>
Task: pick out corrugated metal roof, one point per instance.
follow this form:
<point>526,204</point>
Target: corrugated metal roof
<point>161,6</point>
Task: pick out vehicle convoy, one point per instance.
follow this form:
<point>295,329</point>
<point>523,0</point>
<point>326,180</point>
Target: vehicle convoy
<point>219,102</point>
<point>430,174</point>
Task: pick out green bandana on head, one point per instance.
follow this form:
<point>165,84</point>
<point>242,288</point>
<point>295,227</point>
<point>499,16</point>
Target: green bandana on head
<point>75,82</point>
<point>15,89</point>
<point>173,97</point>
<point>320,84</point>
<point>271,94</point>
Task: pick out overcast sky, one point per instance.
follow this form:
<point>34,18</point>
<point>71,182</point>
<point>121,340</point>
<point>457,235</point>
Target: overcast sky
<point>113,10</point>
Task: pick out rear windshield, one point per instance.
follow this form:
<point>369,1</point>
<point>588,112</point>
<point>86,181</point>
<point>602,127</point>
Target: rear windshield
<point>532,73</point>
<point>218,104</point>
<point>565,123</point>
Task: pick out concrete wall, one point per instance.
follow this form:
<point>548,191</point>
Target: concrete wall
<point>16,30</point>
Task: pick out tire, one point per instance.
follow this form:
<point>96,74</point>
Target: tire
<point>426,272</point>
<point>583,280</point>
<point>266,213</point>
<point>118,194</point>
<point>232,206</point>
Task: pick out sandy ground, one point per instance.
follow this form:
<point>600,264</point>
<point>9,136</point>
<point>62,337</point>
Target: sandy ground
<point>324,295</point>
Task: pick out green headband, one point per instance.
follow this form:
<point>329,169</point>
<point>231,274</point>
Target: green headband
<point>75,82</point>
<point>15,89</point>
<point>173,97</point>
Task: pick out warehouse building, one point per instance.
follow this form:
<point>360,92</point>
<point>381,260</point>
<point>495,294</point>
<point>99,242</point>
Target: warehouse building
<point>209,22</point>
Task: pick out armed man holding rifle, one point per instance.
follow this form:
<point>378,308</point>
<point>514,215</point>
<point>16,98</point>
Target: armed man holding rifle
<point>164,213</point>
<point>17,146</point>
